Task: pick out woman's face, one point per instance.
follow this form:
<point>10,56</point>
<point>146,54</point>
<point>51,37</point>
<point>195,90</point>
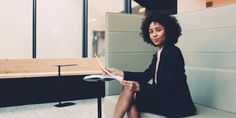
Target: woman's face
<point>157,34</point>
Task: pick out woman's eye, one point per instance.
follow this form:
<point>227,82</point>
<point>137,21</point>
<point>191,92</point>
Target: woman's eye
<point>158,29</point>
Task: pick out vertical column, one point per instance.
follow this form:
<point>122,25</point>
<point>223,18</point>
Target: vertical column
<point>127,6</point>
<point>85,29</point>
<point>34,29</point>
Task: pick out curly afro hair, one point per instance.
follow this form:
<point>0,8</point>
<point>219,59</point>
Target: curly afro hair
<point>172,27</point>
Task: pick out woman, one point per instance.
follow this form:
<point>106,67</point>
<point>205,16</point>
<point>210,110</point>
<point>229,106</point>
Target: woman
<point>169,94</point>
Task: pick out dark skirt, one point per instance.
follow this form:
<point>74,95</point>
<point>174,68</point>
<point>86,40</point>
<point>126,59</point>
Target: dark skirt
<point>147,101</point>
<point>150,102</point>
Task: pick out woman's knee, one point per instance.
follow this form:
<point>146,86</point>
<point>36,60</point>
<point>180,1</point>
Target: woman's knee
<point>127,92</point>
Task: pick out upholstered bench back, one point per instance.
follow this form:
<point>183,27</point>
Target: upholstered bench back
<point>208,44</point>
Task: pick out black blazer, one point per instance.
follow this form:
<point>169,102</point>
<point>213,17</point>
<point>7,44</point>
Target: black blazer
<point>171,87</point>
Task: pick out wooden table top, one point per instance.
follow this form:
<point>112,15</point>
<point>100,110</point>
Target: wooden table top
<point>24,68</point>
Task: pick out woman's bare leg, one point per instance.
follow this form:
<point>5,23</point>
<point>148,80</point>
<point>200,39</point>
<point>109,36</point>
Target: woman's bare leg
<point>133,112</point>
<point>124,103</point>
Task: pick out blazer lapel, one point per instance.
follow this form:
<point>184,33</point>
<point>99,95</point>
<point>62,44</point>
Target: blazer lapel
<point>163,56</point>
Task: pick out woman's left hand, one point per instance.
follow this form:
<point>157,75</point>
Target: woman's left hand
<point>130,85</point>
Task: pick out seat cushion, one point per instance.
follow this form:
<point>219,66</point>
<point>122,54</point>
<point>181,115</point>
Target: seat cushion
<point>202,111</point>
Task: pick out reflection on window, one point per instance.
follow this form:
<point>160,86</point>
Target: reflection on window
<point>98,43</point>
<point>217,3</point>
<point>195,5</point>
<point>96,23</point>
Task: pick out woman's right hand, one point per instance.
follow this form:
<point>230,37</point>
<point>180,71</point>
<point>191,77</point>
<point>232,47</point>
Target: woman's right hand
<point>130,85</point>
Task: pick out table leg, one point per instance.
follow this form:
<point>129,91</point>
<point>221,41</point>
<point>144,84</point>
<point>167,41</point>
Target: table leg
<point>99,103</point>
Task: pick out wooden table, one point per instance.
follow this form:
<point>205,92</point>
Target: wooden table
<point>24,81</point>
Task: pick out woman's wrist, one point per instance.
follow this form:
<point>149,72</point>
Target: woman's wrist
<point>121,73</point>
